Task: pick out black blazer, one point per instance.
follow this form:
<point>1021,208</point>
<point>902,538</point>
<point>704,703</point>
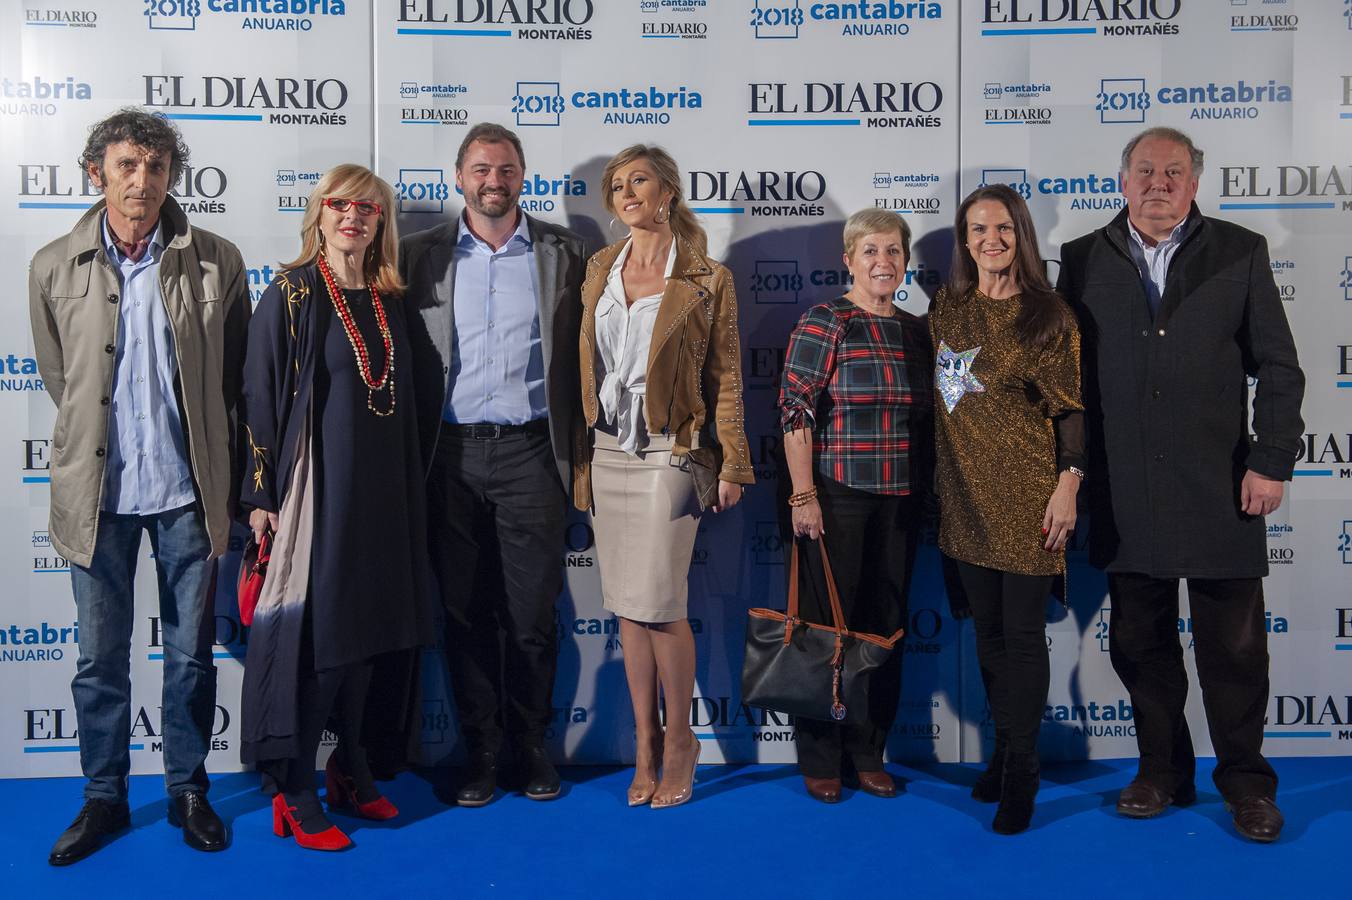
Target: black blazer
<point>1167,400</point>
<point>427,264</point>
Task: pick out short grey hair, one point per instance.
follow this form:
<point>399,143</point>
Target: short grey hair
<point>1165,133</point>
<point>876,221</point>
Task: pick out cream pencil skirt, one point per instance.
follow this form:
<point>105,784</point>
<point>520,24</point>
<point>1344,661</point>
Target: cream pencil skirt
<point>645,518</point>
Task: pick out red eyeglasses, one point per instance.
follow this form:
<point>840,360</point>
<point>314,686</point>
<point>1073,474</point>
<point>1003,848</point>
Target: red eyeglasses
<point>342,204</point>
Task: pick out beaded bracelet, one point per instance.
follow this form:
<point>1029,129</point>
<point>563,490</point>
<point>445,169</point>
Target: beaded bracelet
<point>803,498</point>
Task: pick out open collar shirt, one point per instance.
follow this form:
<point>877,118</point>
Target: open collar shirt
<point>497,365</point>
<point>147,469</point>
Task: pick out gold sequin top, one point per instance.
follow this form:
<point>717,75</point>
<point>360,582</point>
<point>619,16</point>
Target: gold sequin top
<point>996,446</point>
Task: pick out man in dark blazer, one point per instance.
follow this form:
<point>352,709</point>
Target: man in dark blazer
<point>497,300</point>
<point>1178,311</point>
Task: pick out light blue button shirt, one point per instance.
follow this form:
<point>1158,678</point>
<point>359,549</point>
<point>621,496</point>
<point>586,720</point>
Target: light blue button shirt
<point>497,362</point>
<point>1153,262</point>
<point>147,470</point>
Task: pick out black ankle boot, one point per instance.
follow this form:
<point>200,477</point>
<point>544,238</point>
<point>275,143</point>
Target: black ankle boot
<point>987,787</point>
<point>1017,794</point>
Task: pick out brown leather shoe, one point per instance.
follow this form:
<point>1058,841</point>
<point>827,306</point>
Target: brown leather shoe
<point>1143,800</point>
<point>827,790</point>
<point>1257,818</point>
<point>879,784</point>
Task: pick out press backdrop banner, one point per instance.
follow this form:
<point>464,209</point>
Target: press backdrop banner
<point>785,116</point>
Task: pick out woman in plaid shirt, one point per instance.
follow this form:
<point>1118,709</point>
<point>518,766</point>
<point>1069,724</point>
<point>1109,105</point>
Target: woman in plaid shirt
<point>856,385</point>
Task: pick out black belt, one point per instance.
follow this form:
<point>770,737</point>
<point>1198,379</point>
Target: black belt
<point>491,431</point>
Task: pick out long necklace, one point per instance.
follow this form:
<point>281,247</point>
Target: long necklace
<point>386,382</point>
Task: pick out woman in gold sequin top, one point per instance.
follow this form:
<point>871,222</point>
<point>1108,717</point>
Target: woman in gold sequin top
<point>1010,439</point>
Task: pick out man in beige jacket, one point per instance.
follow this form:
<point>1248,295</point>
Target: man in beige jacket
<point>139,325</point>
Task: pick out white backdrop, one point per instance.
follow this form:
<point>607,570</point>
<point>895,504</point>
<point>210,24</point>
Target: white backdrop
<point>786,115</point>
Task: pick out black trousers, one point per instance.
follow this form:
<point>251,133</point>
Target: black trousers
<point>870,540</point>
<point>1230,644</point>
<point>496,516</point>
<point>1010,613</point>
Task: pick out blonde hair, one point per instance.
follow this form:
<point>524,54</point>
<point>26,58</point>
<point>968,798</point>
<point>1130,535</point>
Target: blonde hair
<point>876,221</point>
<point>683,222</point>
<point>381,267</point>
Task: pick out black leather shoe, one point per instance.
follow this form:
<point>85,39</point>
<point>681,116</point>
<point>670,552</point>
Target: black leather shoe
<point>538,775</point>
<point>97,820</point>
<point>1143,800</point>
<point>479,781</point>
<point>1257,818</point>
<point>202,828</point>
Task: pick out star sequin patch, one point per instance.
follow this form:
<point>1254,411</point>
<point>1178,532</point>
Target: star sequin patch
<point>953,374</point>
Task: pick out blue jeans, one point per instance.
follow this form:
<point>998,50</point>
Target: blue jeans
<point>102,683</point>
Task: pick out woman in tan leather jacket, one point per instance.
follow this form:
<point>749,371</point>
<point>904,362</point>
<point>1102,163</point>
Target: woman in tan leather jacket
<point>660,361</point>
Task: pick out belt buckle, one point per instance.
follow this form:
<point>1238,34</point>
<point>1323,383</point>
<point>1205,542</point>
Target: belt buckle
<point>485,431</point>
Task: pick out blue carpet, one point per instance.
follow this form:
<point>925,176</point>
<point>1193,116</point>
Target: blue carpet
<point>749,832</point>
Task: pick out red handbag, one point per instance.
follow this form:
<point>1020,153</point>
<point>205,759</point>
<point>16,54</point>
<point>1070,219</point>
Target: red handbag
<point>253,569</point>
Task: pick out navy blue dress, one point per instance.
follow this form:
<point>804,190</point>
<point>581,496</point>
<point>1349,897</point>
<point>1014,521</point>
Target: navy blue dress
<point>370,590</point>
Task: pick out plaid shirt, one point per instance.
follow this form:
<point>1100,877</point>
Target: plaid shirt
<point>848,376</point>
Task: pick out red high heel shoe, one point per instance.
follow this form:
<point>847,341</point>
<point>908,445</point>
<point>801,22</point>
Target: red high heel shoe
<point>342,794</point>
<point>284,824</point>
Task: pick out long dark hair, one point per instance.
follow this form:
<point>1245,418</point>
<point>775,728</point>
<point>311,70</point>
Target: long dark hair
<point>1044,315</point>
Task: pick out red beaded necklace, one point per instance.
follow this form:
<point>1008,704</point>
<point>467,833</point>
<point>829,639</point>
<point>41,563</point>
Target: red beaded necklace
<point>386,382</point>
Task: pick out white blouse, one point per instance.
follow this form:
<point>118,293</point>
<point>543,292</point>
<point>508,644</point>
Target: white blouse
<point>623,335</point>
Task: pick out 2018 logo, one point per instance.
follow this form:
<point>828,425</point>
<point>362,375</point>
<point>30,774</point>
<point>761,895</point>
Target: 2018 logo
<point>422,191</point>
<point>1122,100</point>
<point>1015,178</point>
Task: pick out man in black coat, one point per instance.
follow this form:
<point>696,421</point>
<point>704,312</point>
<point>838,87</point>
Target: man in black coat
<point>1178,312</point>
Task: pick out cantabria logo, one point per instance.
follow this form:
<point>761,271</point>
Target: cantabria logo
<point>38,643</point>
<point>19,373</point>
<point>1282,269</point>
<point>252,15</point>
<point>1107,18</point>
<point>1239,100</point>
<point>38,96</point>
<point>1304,187</point>
<point>784,19</point>
<point>544,102</point>
<point>541,194</point>
<point>877,104</point>
<point>1093,719</point>
<point>241,98</point>
<point>527,20</point>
